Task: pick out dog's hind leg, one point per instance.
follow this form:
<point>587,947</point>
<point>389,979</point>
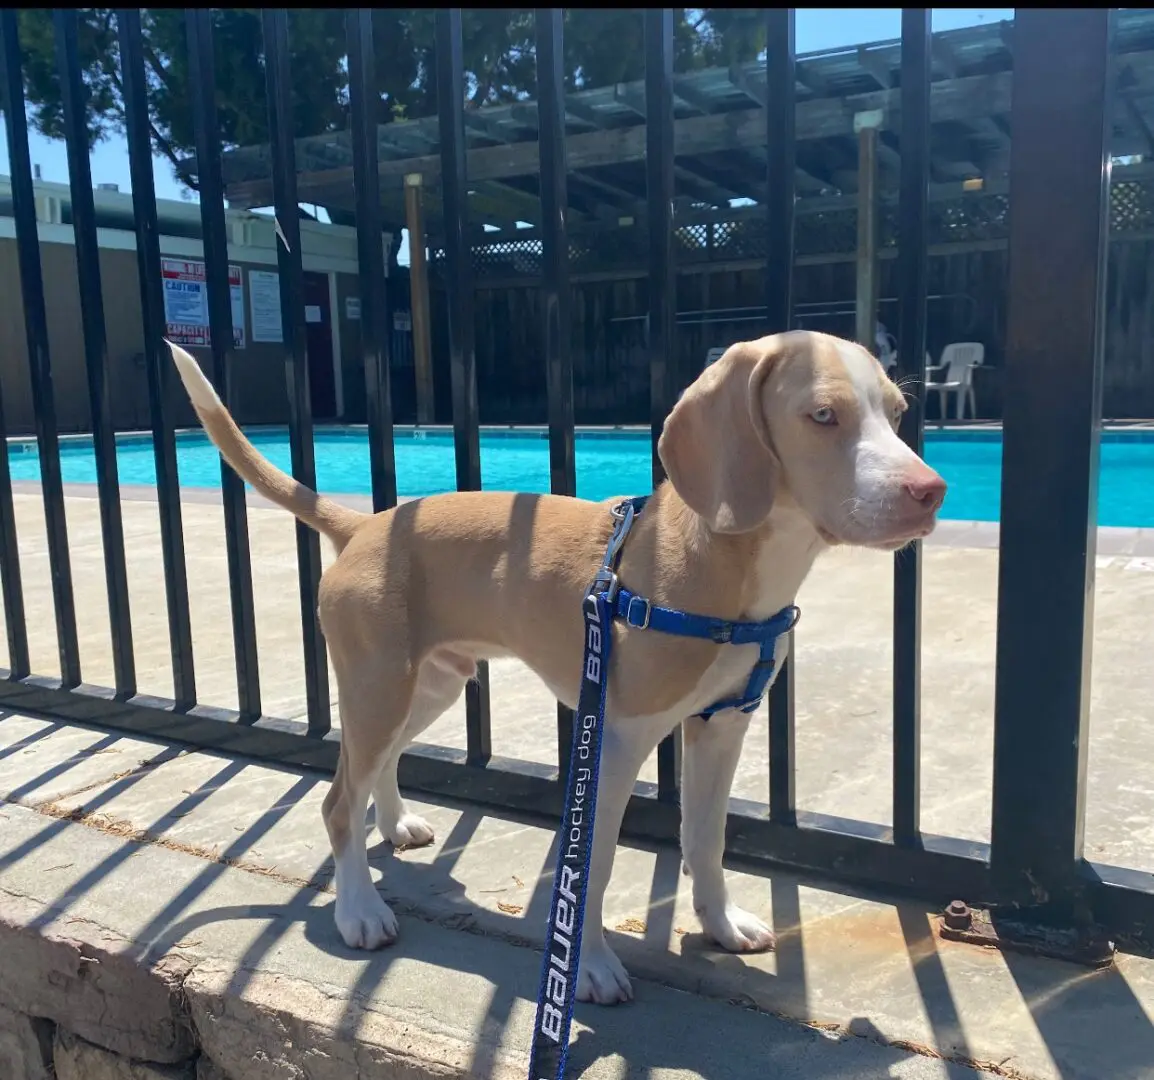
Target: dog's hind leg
<point>367,738</point>
<point>440,681</point>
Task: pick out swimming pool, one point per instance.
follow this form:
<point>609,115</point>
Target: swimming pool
<point>608,463</point>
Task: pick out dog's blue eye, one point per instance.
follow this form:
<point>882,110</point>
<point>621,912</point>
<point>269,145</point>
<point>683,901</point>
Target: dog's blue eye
<point>824,415</point>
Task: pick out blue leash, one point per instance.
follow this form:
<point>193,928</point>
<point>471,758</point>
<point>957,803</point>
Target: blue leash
<point>605,600</point>
<point>557,993</point>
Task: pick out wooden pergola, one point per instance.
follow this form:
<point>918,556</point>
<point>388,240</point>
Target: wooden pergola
<point>720,136</point>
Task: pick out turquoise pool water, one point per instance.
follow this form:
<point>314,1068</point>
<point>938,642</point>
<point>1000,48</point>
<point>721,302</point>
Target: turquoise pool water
<point>608,463</point>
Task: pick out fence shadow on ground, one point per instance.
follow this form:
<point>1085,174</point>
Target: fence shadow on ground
<point>1066,1003</point>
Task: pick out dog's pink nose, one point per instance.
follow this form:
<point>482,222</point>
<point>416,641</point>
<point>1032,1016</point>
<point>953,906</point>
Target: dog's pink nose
<point>928,489</point>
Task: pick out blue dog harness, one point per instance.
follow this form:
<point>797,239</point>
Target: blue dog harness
<point>608,599</point>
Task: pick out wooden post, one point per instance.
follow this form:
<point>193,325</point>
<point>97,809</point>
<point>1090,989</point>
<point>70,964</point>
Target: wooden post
<point>866,125</point>
<point>419,295</point>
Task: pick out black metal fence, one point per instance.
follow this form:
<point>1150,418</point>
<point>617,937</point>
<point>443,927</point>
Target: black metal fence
<point>1059,173</point>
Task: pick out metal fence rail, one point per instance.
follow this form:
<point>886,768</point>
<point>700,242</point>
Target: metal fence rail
<point>1059,172</point>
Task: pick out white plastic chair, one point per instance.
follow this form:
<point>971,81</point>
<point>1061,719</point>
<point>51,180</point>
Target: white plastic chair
<point>958,362</point>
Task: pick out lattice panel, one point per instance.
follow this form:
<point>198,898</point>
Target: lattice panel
<point>508,258</point>
<point>826,233</point>
<point>1132,206</point>
<point>964,219</point>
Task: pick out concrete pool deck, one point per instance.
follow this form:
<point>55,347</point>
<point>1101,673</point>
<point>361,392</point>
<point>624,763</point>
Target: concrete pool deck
<point>112,845</point>
<point>843,666</point>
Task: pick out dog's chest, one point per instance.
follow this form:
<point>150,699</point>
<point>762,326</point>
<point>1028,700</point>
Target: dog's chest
<point>726,676</point>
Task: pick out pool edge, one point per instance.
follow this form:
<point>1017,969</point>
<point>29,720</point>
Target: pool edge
<point>952,533</point>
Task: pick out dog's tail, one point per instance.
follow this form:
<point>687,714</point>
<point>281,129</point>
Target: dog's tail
<point>334,521</point>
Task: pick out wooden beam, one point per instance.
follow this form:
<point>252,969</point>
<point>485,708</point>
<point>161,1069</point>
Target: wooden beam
<point>1138,120</point>
<point>987,127</point>
<point>945,57</point>
<point>753,88</point>
<point>1125,80</point>
<point>523,116</point>
<point>419,299</point>
<point>685,91</point>
<point>887,151</point>
<point>1006,33</point>
<point>809,78</point>
<point>581,111</point>
<point>875,67</point>
<point>632,97</point>
<point>480,124</point>
<point>527,117</point>
<point>960,99</point>
<point>697,176</point>
<point>504,203</point>
<point>622,195</point>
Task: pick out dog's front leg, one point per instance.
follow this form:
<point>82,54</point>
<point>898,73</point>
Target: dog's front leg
<point>710,751</point>
<point>625,746</point>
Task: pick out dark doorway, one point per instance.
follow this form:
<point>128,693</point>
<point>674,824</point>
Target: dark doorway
<point>319,341</point>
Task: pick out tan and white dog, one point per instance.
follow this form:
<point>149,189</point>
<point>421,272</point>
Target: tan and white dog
<point>782,447</point>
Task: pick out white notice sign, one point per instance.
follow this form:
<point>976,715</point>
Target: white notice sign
<point>264,304</point>
<point>186,302</point>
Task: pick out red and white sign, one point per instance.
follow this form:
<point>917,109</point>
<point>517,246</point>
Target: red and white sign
<point>186,302</point>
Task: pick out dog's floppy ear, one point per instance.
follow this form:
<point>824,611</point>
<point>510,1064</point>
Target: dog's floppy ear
<point>715,447</point>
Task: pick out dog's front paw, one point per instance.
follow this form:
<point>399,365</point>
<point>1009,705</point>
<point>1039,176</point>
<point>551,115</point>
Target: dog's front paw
<point>736,930</point>
<point>410,831</point>
<point>365,921</point>
<point>601,978</point>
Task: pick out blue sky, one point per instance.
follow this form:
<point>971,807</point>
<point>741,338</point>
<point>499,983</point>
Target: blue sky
<point>817,28</point>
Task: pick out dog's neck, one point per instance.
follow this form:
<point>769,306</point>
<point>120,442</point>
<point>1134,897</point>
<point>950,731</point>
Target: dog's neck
<point>764,567</point>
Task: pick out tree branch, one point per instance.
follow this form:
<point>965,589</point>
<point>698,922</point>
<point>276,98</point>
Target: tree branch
<point>155,64</point>
<point>162,144</point>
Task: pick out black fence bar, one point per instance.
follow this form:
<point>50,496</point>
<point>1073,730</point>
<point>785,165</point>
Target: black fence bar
<point>39,358</point>
<point>780,179</point>
<point>11,579</point>
<point>376,333</point>
<point>555,299</point>
<point>72,90</point>
<point>666,382</point>
<point>462,352</point>
<point>1053,406</point>
<point>911,371</point>
<point>278,89</point>
<point>206,130</point>
<point>158,363</point>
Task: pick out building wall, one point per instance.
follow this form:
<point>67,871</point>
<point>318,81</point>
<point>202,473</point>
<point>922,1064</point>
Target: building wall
<point>259,395</point>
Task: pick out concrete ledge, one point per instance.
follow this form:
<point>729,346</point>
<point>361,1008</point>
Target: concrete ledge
<point>173,909</point>
<point>245,982</point>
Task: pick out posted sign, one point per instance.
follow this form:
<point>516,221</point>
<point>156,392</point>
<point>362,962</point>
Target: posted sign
<point>186,302</point>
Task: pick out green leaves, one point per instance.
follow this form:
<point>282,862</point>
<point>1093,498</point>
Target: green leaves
<point>602,47</point>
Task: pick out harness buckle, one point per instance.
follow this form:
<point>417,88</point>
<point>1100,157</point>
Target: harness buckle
<point>605,581</point>
<point>646,611</point>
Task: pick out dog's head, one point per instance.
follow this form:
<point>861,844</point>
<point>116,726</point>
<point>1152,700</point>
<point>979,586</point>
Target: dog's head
<point>809,415</point>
